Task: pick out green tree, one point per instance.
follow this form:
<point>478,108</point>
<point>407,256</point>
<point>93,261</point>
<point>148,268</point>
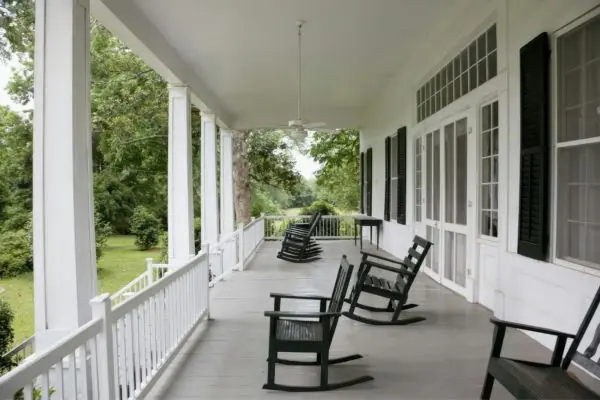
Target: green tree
<point>338,175</point>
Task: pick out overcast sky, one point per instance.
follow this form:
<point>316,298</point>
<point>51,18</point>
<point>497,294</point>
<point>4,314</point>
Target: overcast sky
<point>306,165</point>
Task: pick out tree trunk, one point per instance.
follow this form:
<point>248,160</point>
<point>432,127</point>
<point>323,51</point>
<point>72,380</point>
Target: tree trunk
<point>241,177</point>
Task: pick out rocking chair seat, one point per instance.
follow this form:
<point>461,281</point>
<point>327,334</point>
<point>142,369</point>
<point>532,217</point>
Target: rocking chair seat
<point>299,331</point>
<point>384,284</point>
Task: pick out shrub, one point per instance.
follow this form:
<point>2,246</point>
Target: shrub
<point>146,228</point>
<point>7,335</point>
<point>164,244</point>
<point>16,256</point>
<point>103,231</point>
<point>319,206</point>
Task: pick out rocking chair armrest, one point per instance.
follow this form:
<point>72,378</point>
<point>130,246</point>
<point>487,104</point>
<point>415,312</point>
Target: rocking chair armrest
<point>401,271</point>
<point>530,328</point>
<point>369,254</point>
<point>300,314</point>
<point>299,296</point>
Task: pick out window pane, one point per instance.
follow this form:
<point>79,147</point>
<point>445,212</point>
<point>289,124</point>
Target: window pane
<point>494,141</point>
<point>495,114</point>
<point>486,222</point>
<point>444,96</point>
<point>486,117</point>
<point>572,83</point>
<point>592,84</point>
<point>481,47</point>
<point>449,256</point>
<point>592,39</point>
<point>485,144</point>
<point>464,83</point>
<point>492,65</point>
<point>472,54</point>
<point>485,197</point>
<point>578,188</point>
<point>450,92</point>
<point>494,196</point>
<point>571,48</point>
<point>449,154</point>
<point>495,169</point>
<point>482,71</point>
<point>592,120</point>
<point>456,67</point>
<point>429,159</point>
<point>464,60</point>
<point>393,196</point>
<point>571,125</point>
<point>436,175</point>
<point>460,277</point>
<point>473,78</point>
<point>461,171</point>
<point>486,168</point>
<point>457,90</point>
<point>491,39</point>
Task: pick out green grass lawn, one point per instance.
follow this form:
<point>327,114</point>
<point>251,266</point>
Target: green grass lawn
<point>120,263</point>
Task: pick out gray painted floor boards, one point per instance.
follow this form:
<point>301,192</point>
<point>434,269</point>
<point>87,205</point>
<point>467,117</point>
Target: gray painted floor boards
<point>443,357</point>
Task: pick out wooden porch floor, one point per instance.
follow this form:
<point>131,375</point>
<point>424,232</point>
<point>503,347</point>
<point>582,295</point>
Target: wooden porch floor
<point>444,357</point>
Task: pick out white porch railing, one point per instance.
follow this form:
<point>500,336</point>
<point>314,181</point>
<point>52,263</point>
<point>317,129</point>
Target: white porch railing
<point>19,353</point>
<point>123,350</point>
<point>134,333</point>
<point>330,227</point>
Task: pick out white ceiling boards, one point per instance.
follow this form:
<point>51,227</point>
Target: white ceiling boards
<point>243,53</point>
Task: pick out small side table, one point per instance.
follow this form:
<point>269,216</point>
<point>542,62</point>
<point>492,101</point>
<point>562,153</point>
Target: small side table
<point>363,220</point>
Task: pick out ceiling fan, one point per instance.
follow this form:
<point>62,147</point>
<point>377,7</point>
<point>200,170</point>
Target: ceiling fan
<point>299,127</point>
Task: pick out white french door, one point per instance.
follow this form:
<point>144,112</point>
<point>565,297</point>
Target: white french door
<point>448,166</point>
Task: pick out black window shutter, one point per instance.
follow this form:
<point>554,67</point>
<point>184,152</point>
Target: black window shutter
<point>369,187</point>
<point>535,148</point>
<point>388,177</point>
<point>401,185</point>
<point>362,182</point>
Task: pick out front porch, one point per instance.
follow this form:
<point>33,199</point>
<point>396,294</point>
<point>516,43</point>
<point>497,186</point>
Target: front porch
<point>442,357</point>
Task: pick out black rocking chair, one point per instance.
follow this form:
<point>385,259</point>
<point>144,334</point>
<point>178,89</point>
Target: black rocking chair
<point>298,246</point>
<point>396,291</point>
<point>309,336</point>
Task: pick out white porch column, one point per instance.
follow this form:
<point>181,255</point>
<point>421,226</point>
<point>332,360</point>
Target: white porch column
<point>227,213</point>
<point>63,218</point>
<point>210,210</point>
<point>181,208</point>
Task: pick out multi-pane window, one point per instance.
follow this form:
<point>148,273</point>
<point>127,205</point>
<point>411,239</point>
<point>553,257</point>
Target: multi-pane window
<point>394,178</point>
<point>488,182</point>
<point>472,67</point>
<point>578,145</point>
<point>418,181</point>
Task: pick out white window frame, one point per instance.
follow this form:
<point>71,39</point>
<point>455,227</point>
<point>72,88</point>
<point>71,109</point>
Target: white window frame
<point>480,156</point>
<point>556,145</point>
<point>394,177</point>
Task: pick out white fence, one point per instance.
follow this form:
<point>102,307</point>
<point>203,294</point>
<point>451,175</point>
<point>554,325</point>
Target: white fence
<point>330,227</point>
<point>135,333</point>
<point>19,353</point>
<point>123,350</point>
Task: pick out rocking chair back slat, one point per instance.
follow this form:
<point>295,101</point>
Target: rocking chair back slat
<point>339,291</point>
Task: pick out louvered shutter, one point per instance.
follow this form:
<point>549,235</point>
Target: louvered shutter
<point>388,161</point>
<point>369,187</point>
<point>362,182</point>
<point>535,148</point>
<point>401,185</point>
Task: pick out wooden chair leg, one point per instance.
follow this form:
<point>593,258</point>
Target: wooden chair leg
<point>325,367</point>
<point>488,384</point>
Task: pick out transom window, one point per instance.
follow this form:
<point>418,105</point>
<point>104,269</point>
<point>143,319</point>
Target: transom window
<point>578,145</point>
<point>475,65</point>
<point>488,182</point>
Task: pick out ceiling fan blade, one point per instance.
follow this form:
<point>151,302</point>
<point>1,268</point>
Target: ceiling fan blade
<point>312,125</point>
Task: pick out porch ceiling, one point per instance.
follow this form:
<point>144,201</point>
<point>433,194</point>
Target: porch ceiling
<point>242,53</point>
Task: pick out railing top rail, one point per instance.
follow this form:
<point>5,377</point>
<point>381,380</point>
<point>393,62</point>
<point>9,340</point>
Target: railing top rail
<point>22,346</point>
<point>25,373</point>
<point>254,221</point>
<point>138,298</point>
<point>229,237</point>
<point>125,288</point>
<point>280,217</point>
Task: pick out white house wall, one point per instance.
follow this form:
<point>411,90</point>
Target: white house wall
<point>530,291</point>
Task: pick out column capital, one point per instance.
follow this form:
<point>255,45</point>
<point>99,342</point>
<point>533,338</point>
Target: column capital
<point>227,132</point>
<point>207,115</point>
